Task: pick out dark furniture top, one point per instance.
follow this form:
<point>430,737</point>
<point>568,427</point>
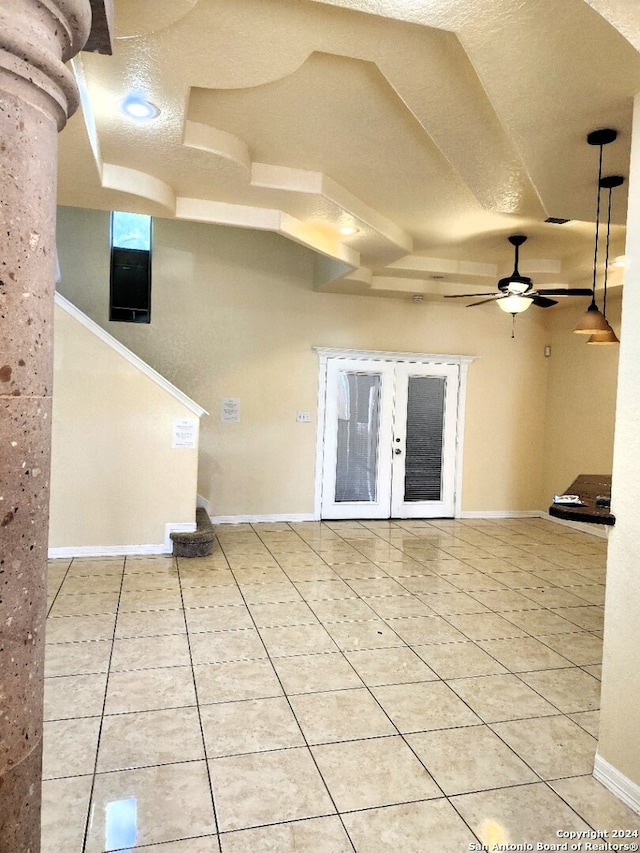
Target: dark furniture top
<point>588,487</point>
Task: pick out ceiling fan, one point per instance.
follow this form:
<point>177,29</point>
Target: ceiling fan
<point>518,290</point>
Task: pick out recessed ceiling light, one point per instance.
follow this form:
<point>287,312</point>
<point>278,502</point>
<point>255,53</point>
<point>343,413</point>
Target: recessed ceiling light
<point>348,230</point>
<point>139,108</point>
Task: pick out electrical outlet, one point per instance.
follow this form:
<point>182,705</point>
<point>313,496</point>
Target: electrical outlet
<point>303,417</point>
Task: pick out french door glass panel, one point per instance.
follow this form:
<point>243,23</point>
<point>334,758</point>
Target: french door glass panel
<point>424,458</point>
<point>424,441</point>
<point>358,424</point>
<point>358,434</point>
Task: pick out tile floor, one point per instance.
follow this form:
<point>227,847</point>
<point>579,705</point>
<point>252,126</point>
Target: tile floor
<point>369,686</point>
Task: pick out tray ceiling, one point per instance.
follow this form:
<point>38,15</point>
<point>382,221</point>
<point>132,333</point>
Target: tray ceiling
<point>435,129</point>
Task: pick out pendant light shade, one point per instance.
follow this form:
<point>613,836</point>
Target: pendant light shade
<point>594,320</point>
<point>602,338</point>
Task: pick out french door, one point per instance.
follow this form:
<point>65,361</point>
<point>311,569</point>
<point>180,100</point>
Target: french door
<point>390,433</point>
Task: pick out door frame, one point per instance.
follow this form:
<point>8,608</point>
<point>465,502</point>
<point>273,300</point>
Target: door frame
<point>326,353</point>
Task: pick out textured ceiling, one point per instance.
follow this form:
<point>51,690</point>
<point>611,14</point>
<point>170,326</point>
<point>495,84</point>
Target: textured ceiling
<point>435,128</point>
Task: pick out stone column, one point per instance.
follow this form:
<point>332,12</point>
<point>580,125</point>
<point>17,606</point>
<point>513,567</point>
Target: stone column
<point>37,94</point>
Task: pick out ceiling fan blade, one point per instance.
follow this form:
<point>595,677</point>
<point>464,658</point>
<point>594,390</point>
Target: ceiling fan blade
<point>468,295</point>
<point>565,291</point>
<point>484,301</point>
<point>543,302</point>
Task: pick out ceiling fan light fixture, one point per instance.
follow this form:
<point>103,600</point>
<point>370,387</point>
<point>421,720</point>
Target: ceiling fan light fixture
<point>514,303</point>
<point>516,292</point>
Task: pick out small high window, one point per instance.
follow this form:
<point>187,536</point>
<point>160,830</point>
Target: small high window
<point>130,290</point>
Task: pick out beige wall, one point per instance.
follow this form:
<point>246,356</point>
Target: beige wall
<point>115,480</point>
<point>234,314</point>
<point>581,401</point>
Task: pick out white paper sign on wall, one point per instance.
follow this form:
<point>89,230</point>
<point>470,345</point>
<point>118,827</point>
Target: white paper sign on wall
<point>230,410</point>
<point>184,433</point>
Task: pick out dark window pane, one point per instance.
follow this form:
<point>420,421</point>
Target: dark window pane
<point>425,426</point>
<point>130,290</point>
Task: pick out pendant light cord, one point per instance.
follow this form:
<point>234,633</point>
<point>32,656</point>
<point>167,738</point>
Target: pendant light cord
<point>606,257</point>
<point>595,251</point>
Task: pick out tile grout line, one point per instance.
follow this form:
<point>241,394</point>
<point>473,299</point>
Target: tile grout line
<point>55,597</point>
<point>90,805</point>
<point>195,688</point>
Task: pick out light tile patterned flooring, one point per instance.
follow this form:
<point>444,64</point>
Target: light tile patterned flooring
<point>370,686</point>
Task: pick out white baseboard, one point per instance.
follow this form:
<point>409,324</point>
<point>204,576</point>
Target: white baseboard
<point>529,513</point>
<point>107,551</point>
<point>263,519</point>
<point>165,547</point>
<point>297,517</point>
<point>177,527</point>
<point>204,503</point>
<point>619,785</point>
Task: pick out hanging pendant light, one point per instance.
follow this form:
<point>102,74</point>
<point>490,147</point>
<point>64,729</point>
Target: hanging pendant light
<point>593,321</point>
<point>607,336</point>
